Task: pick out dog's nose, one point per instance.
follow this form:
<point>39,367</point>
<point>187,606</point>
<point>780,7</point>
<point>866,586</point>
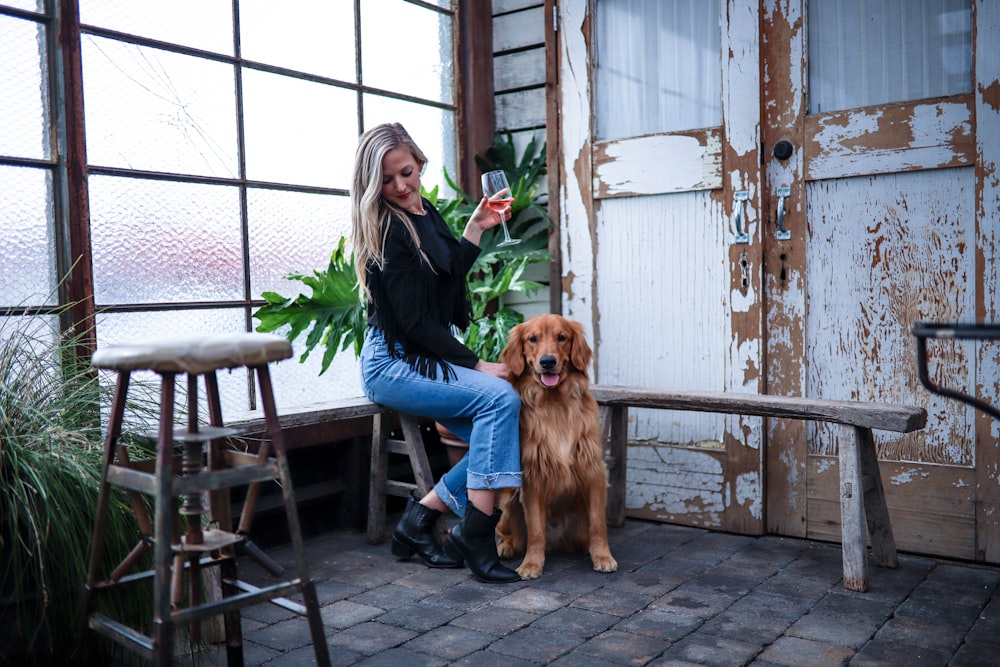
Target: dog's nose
<point>547,362</point>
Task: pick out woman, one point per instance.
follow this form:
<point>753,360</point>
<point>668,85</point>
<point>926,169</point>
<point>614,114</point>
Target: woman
<point>412,270</point>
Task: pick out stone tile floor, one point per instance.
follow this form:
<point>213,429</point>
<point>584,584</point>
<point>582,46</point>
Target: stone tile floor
<point>681,596</point>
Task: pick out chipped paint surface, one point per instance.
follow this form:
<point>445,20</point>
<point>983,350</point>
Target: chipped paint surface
<point>674,481</point>
<point>886,252</point>
<point>889,139</point>
<point>907,476</point>
<point>658,164</point>
<point>749,493</point>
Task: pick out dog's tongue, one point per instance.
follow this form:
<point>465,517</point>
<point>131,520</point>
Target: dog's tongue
<point>549,379</point>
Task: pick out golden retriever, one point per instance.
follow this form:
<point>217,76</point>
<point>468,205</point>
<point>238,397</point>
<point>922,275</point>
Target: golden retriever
<point>563,497</point>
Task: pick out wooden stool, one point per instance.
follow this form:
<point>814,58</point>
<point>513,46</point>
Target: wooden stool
<point>380,486</point>
<point>207,468</point>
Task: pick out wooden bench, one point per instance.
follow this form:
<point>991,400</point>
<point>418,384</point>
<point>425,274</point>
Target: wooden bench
<point>862,494</point>
<point>861,491</point>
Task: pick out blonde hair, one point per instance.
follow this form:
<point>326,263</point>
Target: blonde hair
<point>370,211</point>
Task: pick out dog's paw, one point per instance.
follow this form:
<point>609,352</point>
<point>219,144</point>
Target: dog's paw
<point>604,563</point>
<point>506,548</point>
<point>530,570</point>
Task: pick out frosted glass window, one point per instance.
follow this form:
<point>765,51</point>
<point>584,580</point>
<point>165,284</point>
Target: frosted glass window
<point>124,327</point>
<point>27,244</point>
<point>431,128</point>
<point>202,24</point>
<point>24,103</point>
<point>865,52</point>
<point>658,66</point>
<point>158,111</point>
<point>298,131</point>
<point>319,221</point>
<point>163,241</point>
<point>315,36</point>
<point>412,53</point>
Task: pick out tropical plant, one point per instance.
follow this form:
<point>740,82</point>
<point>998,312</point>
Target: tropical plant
<point>334,309</point>
<point>336,313</point>
<point>51,457</point>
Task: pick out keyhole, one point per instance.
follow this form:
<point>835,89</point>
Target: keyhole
<point>744,273</point>
<point>783,276</point>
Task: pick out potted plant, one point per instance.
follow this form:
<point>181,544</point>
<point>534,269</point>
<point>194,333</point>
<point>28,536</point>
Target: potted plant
<point>334,313</point>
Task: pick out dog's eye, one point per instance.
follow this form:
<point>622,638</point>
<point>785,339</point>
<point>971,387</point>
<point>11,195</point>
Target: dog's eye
<point>561,338</point>
<point>532,339</point>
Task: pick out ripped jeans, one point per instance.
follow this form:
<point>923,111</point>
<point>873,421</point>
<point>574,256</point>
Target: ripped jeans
<point>481,409</point>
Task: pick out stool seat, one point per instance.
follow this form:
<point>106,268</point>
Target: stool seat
<point>195,355</point>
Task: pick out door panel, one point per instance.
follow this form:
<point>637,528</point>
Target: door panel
<point>884,234</point>
<point>645,228</point>
<point>891,218</point>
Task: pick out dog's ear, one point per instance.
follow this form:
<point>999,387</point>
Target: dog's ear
<point>512,355</point>
<point>580,352</point>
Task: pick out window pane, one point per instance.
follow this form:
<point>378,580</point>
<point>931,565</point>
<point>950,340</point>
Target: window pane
<point>432,129</point>
<point>126,327</point>
<point>202,24</point>
<point>315,36</point>
<point>298,131</point>
<point>24,103</point>
<point>160,111</point>
<point>411,53</point>
<point>660,62</point>
<point>866,53</point>
<point>161,241</point>
<point>292,232</point>
<point>27,245</point>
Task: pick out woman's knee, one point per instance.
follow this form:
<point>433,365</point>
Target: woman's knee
<point>508,401</point>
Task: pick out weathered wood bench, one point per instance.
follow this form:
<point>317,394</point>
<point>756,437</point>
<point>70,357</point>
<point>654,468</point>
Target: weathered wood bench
<point>861,491</point>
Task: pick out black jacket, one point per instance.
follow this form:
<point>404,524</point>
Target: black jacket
<point>415,305</point>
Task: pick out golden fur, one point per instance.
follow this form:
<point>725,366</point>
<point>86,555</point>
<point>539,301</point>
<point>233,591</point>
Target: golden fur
<point>563,498</point>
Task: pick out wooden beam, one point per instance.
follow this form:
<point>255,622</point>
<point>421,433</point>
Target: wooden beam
<point>474,88</point>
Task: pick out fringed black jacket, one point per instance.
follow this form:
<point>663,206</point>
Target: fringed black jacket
<point>416,304</point>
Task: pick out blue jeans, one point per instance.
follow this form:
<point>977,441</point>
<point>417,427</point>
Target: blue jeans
<point>481,409</point>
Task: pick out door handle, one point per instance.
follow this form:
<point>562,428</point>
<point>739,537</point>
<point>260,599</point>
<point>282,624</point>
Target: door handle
<point>782,234</point>
<point>739,221</point>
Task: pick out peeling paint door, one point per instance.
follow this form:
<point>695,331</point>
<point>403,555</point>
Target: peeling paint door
<point>880,146</point>
<point>786,249</point>
<point>659,140</point>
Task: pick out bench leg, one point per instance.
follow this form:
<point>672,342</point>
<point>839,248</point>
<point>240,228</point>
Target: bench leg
<point>376,487</point>
<point>879,528</point>
<point>852,513</point>
<point>614,427</point>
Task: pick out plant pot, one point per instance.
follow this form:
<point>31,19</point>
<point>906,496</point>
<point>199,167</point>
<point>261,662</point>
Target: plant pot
<point>453,445</point>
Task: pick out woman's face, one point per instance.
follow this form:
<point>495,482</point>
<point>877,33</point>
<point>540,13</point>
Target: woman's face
<point>401,179</point>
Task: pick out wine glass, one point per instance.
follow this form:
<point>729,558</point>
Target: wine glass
<point>498,199</point>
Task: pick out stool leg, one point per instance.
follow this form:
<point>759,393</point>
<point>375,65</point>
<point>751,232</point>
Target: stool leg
<point>163,626</point>
<point>100,518</point>
<point>221,511</point>
<point>291,511</point>
<point>417,453</point>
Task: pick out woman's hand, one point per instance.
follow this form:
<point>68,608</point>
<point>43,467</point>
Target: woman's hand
<point>482,219</point>
<point>496,370</point>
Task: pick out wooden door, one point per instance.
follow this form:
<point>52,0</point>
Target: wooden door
<point>889,218</point>
<point>649,262</point>
<point>676,262</point>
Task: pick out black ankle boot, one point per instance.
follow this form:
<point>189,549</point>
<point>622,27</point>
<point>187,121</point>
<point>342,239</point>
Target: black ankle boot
<point>414,534</point>
<point>474,541</point>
